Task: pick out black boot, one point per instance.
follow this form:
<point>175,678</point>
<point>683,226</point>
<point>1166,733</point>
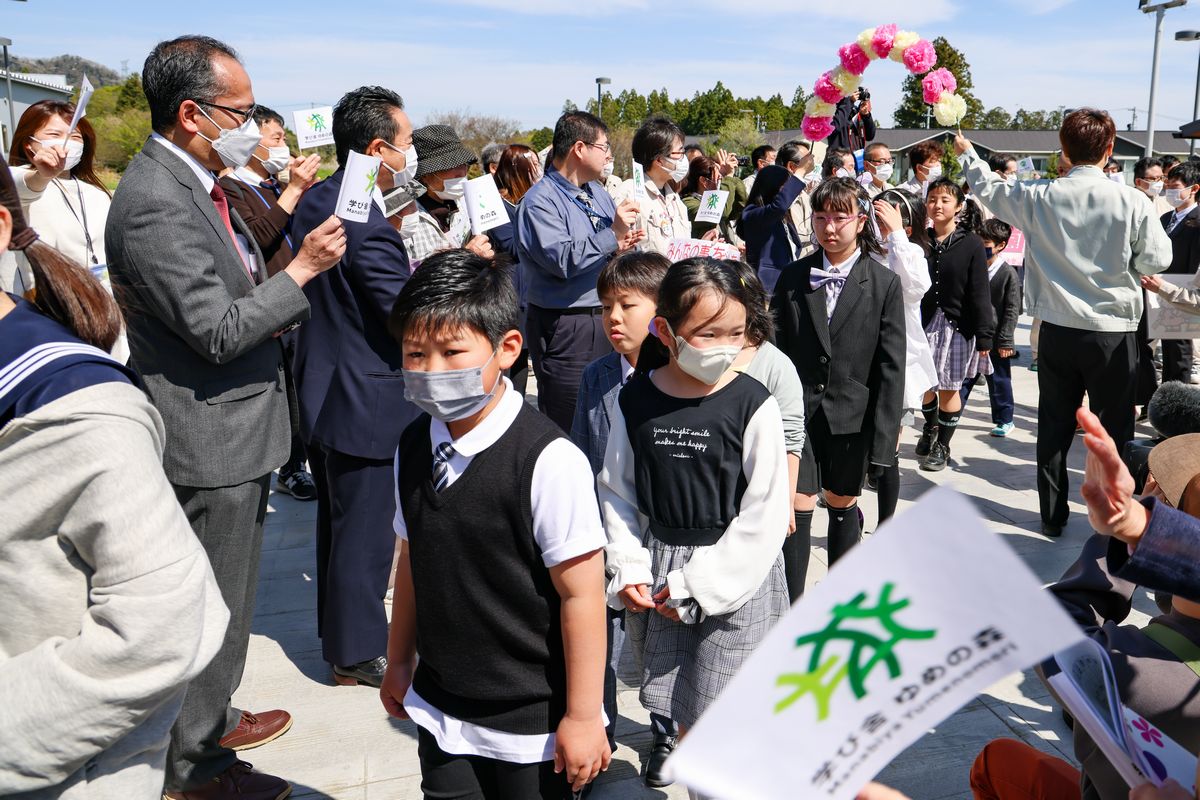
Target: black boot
<point>663,746</point>
<point>928,437</point>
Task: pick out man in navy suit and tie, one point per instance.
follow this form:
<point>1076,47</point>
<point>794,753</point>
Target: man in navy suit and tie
<point>351,391</point>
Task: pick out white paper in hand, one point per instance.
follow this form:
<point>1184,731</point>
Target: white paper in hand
<point>712,206</point>
<point>314,126</point>
<point>85,94</point>
<point>1165,321</point>
<point>1026,166</point>
<point>484,205</point>
<point>906,629</point>
<point>639,182</point>
<point>358,187</point>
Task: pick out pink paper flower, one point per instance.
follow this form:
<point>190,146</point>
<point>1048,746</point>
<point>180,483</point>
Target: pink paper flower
<point>920,57</point>
<point>883,39</point>
<point>826,89</point>
<point>936,82</point>
<point>854,60</point>
<point>817,129</point>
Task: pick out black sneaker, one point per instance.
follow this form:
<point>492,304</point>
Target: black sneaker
<point>659,751</point>
<point>938,458</point>
<point>926,442</point>
<point>298,484</point>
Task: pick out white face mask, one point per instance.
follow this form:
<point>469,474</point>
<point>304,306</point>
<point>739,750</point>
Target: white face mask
<point>680,170</point>
<point>409,225</point>
<point>935,172</point>
<point>1116,177</point>
<point>406,175</point>
<point>73,147</point>
<point>883,172</point>
<point>234,145</point>
<point>1177,197</point>
<point>843,173</point>
<point>606,173</point>
<point>277,159</point>
<point>706,365</point>
<point>453,189</point>
<point>1154,189</point>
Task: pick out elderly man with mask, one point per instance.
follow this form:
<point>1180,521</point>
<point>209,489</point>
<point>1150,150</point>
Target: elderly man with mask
<point>441,223</point>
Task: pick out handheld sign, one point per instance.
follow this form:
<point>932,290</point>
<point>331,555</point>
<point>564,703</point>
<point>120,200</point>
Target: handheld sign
<point>358,187</point>
<point>1165,321</point>
<point>314,126</point>
<point>639,181</point>
<point>712,205</point>
<point>679,249</point>
<point>85,94</point>
<point>1026,166</point>
<point>484,204</point>
<point>907,628</point>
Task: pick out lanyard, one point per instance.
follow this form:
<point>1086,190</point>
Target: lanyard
<point>287,237</point>
<point>591,212</point>
<point>87,235</point>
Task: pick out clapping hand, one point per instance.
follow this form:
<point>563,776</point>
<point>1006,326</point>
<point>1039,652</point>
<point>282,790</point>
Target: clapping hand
<point>302,171</point>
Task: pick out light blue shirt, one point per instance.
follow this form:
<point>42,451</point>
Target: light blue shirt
<point>1086,240</point>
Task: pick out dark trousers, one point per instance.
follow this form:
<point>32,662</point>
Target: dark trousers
<point>445,776</point>
<point>356,509</point>
<point>1071,362</point>
<point>1000,391</point>
<point>1145,380</point>
<point>561,344</point>
<point>1177,360</point>
<point>518,373</point>
<point>298,456</point>
<point>228,522</point>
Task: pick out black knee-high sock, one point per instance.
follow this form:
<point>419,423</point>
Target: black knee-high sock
<point>930,412</point>
<point>947,423</point>
<point>796,550</point>
<point>845,530</point>
<point>888,489</point>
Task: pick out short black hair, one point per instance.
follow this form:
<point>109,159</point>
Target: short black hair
<point>1112,162</point>
<point>687,148</point>
<point>760,152</point>
<point>263,115</point>
<point>1168,163</point>
<point>362,116</point>
<point>998,162</point>
<point>1186,172</point>
<point>457,289</point>
<point>835,159</point>
<point>572,127</point>
<point>789,153</point>
<point>873,146</point>
<point>996,231</point>
<point>635,271</point>
<point>1144,165</point>
<point>181,69</point>
<point>760,322</point>
<point>654,139</point>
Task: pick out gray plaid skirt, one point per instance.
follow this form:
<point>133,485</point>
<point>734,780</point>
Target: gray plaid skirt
<point>685,667</point>
<point>954,355</point>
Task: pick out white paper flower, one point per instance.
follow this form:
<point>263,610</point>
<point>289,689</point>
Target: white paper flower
<point>816,107</point>
<point>848,82</point>
<point>949,110</point>
<point>864,41</point>
<point>901,43</point>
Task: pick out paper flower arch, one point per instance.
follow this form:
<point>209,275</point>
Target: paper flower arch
<point>886,41</point>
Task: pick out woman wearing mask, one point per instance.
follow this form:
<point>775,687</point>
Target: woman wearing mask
<point>658,147</point>
<point>517,170</point>
<point>772,241</point>
<point>704,175</point>
<point>442,166</point>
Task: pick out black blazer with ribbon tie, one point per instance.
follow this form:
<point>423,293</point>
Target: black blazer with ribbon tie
<point>852,366</point>
<point>1185,242</point>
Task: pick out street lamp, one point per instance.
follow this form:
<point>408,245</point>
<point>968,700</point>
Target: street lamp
<point>12,117</point>
<point>1192,36</point>
<point>1158,9</point>
<point>599,100</point>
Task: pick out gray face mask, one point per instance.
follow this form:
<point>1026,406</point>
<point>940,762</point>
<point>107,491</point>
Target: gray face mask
<point>449,395</point>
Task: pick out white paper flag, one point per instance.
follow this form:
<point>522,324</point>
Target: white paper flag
<point>484,205</point>
<point>712,205</point>
<point>1026,165</point>
<point>85,94</point>
<point>639,182</point>
<point>358,187</point>
<point>314,126</point>
<point>906,629</point>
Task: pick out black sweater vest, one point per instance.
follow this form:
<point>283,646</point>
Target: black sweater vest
<point>489,636</point>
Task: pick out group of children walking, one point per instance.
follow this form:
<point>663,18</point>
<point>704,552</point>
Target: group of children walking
<point>709,432</point>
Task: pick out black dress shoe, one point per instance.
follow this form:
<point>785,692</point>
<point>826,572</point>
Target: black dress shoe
<point>925,444</point>
<point>655,773</point>
<point>1051,530</point>
<point>367,673</point>
<point>938,458</point>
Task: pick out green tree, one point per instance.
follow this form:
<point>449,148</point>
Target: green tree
<point>775,113</point>
<point>541,138</point>
<point>633,108</point>
<point>911,111</point>
<point>130,94</point>
<point>738,135</point>
<point>119,136</point>
<point>795,113</point>
<point>659,102</point>
<point>708,111</point>
<point>996,119</point>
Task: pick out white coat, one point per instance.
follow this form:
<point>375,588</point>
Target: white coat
<point>908,261</point>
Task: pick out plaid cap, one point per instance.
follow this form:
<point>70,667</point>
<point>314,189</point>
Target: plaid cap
<point>438,149</point>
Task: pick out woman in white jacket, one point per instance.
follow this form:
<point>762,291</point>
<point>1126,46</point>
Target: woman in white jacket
<point>901,219</point>
<point>658,147</point>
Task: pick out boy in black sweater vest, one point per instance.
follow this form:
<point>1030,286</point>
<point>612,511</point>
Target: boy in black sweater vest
<point>500,582</point>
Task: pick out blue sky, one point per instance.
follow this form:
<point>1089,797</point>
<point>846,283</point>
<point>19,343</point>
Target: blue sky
<point>521,58</point>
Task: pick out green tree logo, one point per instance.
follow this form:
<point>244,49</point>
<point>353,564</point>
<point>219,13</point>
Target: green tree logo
<point>713,200</point>
<point>867,650</point>
<point>316,122</point>
<point>372,176</point>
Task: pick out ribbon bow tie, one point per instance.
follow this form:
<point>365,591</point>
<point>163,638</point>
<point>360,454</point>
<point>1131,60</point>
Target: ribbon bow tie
<point>819,277</point>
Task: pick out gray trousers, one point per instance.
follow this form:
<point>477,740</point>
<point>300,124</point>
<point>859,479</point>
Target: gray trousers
<point>229,524</point>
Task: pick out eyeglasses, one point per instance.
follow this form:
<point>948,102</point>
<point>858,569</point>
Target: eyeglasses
<point>824,220</point>
<point>243,113</point>
<point>880,161</point>
<point>605,146</point>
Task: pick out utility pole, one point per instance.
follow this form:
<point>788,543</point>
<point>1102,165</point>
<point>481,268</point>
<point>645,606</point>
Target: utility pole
<point>1159,10</point>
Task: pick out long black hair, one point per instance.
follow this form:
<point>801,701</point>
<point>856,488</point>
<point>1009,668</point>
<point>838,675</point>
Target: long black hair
<point>846,196</point>
<point>912,215</point>
<point>768,183</point>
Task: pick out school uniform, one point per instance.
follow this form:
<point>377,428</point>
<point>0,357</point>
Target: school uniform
<point>957,310</point>
<point>1183,229</point>
<point>1005,290</point>
<point>489,691</point>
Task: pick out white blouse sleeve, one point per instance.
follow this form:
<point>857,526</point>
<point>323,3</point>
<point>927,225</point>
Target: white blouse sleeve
<point>1185,298</point>
<point>908,261</point>
<point>723,577</point>
<point>628,563</point>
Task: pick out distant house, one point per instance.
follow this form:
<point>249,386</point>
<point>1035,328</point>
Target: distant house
<point>28,89</point>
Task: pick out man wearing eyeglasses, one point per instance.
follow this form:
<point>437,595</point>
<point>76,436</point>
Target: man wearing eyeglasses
<point>204,320</point>
<point>878,162</point>
<point>567,229</point>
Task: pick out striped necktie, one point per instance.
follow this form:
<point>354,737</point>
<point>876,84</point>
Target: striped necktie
<point>441,465</point>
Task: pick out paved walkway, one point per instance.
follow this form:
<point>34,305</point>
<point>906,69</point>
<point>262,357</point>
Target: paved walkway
<point>344,746</point>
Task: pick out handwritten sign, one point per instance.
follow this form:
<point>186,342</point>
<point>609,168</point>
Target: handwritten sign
<point>908,627</point>
<point>484,204</point>
<point>358,187</point>
<point>679,249</point>
<point>1165,321</point>
<point>314,126</point>
<point>712,206</point>
<point>85,94</point>
<point>1014,251</point>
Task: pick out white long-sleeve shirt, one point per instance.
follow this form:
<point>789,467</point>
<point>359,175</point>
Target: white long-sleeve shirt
<point>908,261</point>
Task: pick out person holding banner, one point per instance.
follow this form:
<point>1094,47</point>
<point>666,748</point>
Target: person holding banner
<point>658,149</point>
<point>441,222</point>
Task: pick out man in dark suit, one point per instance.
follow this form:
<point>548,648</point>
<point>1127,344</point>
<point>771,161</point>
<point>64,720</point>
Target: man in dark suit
<point>203,322</point>
<point>352,406</point>
<point>1183,228</point>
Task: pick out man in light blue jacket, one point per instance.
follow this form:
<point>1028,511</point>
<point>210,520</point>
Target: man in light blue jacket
<point>1088,240</point>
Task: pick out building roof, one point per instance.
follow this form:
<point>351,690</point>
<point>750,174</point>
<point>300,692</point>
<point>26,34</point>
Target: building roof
<point>57,83</point>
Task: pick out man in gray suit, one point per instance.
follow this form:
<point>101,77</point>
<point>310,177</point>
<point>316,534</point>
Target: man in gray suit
<point>203,322</point>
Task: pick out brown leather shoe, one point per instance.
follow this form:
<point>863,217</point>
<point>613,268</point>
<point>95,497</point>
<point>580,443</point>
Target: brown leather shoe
<point>257,729</point>
<point>239,782</point>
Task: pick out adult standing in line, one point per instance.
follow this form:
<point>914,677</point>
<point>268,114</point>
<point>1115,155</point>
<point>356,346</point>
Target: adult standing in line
<point>203,321</point>
<point>348,375</point>
<point>567,229</point>
<point>1084,288</point>
<point>658,148</point>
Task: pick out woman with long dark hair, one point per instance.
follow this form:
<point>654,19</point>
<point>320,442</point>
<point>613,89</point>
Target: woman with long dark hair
<point>772,240</point>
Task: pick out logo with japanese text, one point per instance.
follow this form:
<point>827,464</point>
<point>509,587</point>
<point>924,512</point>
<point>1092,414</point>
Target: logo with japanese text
<point>713,200</point>
<point>316,122</point>
<point>372,176</point>
<point>859,638</point>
